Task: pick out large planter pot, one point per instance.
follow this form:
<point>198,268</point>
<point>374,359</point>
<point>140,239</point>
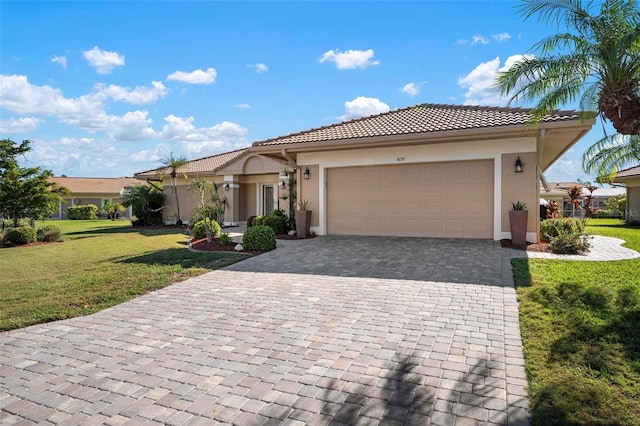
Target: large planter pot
<point>303,223</point>
<point>518,224</point>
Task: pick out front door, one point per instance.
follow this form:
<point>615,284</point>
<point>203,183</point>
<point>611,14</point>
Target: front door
<point>269,199</point>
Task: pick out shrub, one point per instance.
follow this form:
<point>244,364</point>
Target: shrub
<point>8,223</point>
<point>20,235</point>
<point>259,238</point>
<point>82,212</point>
<point>550,228</point>
<point>257,221</point>
<point>250,221</point>
<point>199,229</point>
<point>225,239</point>
<point>569,243</point>
<point>277,223</point>
<point>48,233</point>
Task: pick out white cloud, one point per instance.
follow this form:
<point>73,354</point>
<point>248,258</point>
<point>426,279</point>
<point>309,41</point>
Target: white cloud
<point>22,97</point>
<point>480,82</point>
<point>60,60</point>
<point>351,59</point>
<point>138,96</point>
<point>132,126</point>
<point>203,141</point>
<point>194,77</point>
<point>103,61</point>
<point>243,106</point>
<point>19,125</point>
<point>260,67</point>
<point>362,107</point>
<point>478,39</point>
<point>501,37</point>
<point>411,89</point>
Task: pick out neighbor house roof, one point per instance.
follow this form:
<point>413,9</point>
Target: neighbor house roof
<point>82,185</point>
<point>200,165</point>
<point>419,119</point>
<point>561,188</point>
<point>630,172</point>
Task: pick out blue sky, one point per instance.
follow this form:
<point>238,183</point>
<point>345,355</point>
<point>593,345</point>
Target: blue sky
<point>107,89</point>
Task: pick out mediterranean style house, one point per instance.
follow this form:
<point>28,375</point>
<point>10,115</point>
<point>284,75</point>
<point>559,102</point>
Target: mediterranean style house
<point>429,170</point>
<point>93,191</point>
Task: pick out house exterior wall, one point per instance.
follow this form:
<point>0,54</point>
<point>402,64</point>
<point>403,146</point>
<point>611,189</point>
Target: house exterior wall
<point>476,150</point>
<point>521,187</point>
<point>248,201</point>
<point>633,201</point>
<point>308,190</point>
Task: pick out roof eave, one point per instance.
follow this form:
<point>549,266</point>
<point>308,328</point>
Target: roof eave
<point>418,138</point>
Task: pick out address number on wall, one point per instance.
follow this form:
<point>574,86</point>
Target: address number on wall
<point>400,158</point>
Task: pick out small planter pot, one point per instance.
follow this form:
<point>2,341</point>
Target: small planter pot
<point>518,224</point>
<point>303,223</point>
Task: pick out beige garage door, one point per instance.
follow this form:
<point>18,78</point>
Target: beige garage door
<point>453,199</point>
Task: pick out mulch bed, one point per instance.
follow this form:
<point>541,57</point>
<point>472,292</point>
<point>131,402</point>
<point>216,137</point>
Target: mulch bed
<point>204,245</point>
<point>541,246</point>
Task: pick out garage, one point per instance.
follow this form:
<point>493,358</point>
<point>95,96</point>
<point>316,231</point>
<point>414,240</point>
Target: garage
<point>449,199</point>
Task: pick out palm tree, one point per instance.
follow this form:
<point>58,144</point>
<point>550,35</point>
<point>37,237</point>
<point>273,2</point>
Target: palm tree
<point>173,164</point>
<point>599,61</point>
<point>610,154</point>
<point>147,201</point>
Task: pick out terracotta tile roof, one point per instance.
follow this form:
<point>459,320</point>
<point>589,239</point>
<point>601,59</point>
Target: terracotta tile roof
<point>425,118</point>
<point>200,165</point>
<point>632,171</point>
<point>81,185</point>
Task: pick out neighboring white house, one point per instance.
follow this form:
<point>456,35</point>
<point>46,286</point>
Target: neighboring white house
<point>631,179</point>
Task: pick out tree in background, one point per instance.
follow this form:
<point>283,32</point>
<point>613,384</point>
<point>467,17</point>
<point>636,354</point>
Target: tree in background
<point>25,192</point>
<point>147,203</point>
<point>112,209</point>
<point>173,164</point>
<point>598,60</point>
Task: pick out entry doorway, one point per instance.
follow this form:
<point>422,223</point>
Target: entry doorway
<point>269,194</point>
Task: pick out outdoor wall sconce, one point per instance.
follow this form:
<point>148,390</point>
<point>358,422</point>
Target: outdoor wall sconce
<point>306,174</point>
<point>226,186</point>
<point>283,184</point>
<point>518,166</point>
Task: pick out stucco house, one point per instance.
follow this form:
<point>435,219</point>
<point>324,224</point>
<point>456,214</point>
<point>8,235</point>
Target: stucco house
<point>631,179</point>
<point>426,171</point>
<point>558,192</point>
<point>93,191</point>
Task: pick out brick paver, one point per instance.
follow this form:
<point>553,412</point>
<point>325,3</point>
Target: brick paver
<point>340,330</point>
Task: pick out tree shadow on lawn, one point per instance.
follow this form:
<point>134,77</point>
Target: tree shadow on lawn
<point>187,259</point>
<point>146,231</point>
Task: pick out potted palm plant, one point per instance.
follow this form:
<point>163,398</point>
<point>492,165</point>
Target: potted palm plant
<point>303,219</point>
<point>518,222</point>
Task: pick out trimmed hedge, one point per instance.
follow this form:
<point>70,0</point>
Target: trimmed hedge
<point>20,235</point>
<point>83,212</point>
<point>551,228</point>
<point>48,233</point>
<point>277,223</point>
<point>259,237</point>
<point>250,221</point>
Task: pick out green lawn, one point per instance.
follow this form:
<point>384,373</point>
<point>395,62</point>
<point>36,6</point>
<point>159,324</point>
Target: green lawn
<point>99,264</point>
<point>580,324</point>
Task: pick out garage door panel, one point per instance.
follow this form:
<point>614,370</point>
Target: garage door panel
<point>431,199</point>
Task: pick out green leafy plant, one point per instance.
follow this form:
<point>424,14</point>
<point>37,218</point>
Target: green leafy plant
<point>225,239</point>
<point>112,209</point>
<point>304,205</point>
<point>259,238</point>
<point>48,233</point>
<point>257,221</point>
<point>569,243</point>
<point>250,221</point>
<point>551,228</point>
<point>20,235</point>
<point>82,212</point>
<point>199,229</point>
<point>518,205</point>
<point>277,223</point>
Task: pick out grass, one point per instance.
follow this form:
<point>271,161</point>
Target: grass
<point>100,264</point>
<point>580,324</point>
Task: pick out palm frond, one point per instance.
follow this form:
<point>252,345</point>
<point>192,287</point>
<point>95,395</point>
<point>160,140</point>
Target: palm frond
<point>611,153</point>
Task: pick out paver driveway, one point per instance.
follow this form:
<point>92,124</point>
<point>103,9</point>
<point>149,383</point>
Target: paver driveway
<point>333,330</point>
